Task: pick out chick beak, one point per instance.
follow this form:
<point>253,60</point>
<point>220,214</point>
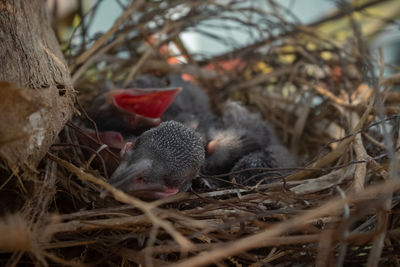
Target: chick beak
<point>130,175</point>
<point>132,179</point>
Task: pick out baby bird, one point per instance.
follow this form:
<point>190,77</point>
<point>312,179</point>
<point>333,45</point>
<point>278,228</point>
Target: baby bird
<point>243,140</point>
<point>162,162</point>
<point>131,110</point>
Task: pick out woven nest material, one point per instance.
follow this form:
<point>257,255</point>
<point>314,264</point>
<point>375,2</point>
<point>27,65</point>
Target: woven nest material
<point>328,106</point>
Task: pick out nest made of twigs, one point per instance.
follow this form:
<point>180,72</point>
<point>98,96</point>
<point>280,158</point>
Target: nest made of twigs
<point>339,206</point>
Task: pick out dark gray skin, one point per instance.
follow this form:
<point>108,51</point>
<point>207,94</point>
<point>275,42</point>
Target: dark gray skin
<point>147,81</point>
<point>163,161</point>
<point>273,156</point>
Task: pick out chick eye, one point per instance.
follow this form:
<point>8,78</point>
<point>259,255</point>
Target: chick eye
<point>139,180</point>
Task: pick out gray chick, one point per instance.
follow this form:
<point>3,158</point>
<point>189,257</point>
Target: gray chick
<point>134,109</point>
<point>162,162</point>
<point>239,133</point>
<point>243,140</point>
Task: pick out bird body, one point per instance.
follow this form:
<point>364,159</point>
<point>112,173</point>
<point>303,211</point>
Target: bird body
<point>273,156</point>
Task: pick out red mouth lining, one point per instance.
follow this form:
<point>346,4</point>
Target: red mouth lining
<point>150,104</point>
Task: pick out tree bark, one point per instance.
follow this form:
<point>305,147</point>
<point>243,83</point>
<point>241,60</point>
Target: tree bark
<point>36,92</point>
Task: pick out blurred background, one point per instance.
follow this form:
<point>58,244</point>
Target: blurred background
<point>222,33</point>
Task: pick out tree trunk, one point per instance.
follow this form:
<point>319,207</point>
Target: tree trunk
<point>36,92</point>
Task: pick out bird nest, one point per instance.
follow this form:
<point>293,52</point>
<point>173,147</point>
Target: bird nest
<point>329,107</point>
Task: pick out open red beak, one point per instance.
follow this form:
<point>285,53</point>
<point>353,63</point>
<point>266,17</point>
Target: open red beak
<point>150,103</point>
